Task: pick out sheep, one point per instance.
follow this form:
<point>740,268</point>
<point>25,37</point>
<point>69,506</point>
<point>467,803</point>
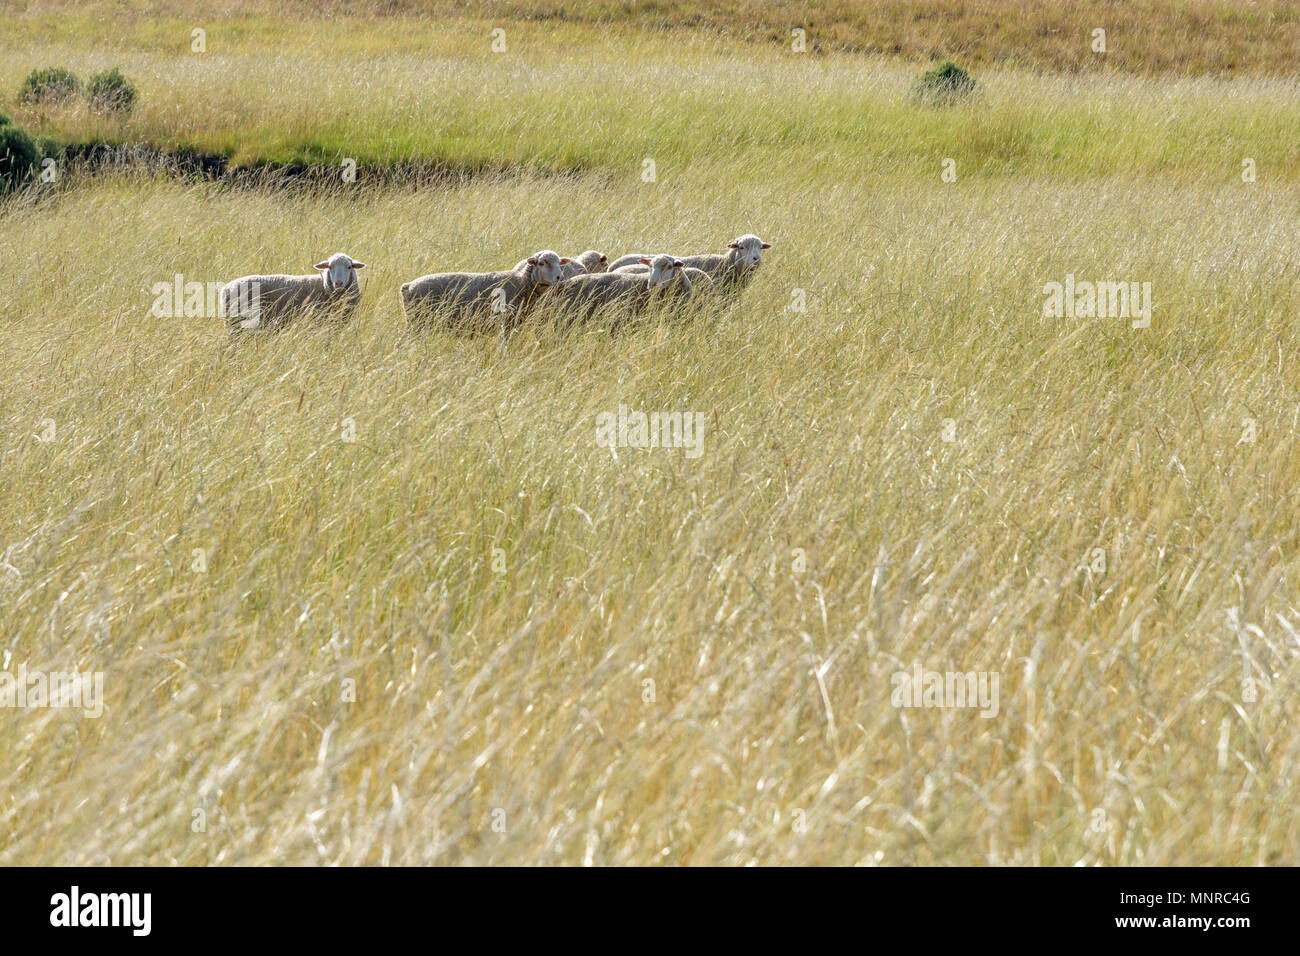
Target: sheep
<point>464,294</point>
<point>594,262</point>
<point>734,269</point>
<point>583,295</point>
<point>263,301</point>
<point>701,283</point>
<point>589,261</point>
<point>691,282</point>
<point>689,271</point>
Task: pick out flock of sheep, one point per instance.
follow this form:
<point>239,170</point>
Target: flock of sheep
<point>578,288</point>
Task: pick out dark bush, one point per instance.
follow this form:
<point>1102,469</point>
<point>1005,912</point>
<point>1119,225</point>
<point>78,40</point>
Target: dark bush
<point>18,157</point>
<point>4,120</point>
<point>50,85</point>
<point>110,91</point>
<point>947,83</point>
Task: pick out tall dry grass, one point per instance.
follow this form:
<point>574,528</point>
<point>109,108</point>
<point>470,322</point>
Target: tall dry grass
<point>473,635</point>
<point>683,660</point>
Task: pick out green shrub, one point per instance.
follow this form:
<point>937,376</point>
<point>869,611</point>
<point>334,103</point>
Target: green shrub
<point>52,84</point>
<point>947,83</point>
<point>110,91</point>
<point>4,120</point>
<point>49,146</point>
<point>18,157</point>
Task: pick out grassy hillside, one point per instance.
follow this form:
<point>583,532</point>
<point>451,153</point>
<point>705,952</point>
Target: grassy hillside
<point>1142,36</point>
<point>363,595</point>
<point>677,103</point>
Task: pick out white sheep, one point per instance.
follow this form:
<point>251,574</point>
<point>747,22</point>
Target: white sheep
<point>733,269</point>
<point>583,295</point>
<point>265,301</point>
<point>594,262</point>
<point>590,261</point>
<point>467,294</point>
<point>690,282</point>
<point>700,281</point>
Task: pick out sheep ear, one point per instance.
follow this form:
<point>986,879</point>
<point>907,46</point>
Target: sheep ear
<point>733,245</point>
<point>358,265</point>
<point>532,260</point>
<point>644,261</point>
<point>677,263</point>
<point>321,265</point>
<point>563,261</point>
<point>767,245</point>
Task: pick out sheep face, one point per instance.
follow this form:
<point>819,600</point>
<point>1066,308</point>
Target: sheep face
<point>546,267</point>
<point>594,261</point>
<point>748,251</point>
<point>663,270</point>
<point>338,272</point>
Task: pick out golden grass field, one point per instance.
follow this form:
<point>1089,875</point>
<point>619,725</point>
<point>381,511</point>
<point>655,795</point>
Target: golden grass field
<point>364,595</point>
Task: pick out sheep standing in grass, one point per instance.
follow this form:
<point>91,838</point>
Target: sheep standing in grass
<point>734,269</point>
<point>584,295</point>
<point>466,295</point>
<point>589,261</point>
<point>691,282</point>
<point>592,261</point>
<point>268,301</point>
<point>699,281</point>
